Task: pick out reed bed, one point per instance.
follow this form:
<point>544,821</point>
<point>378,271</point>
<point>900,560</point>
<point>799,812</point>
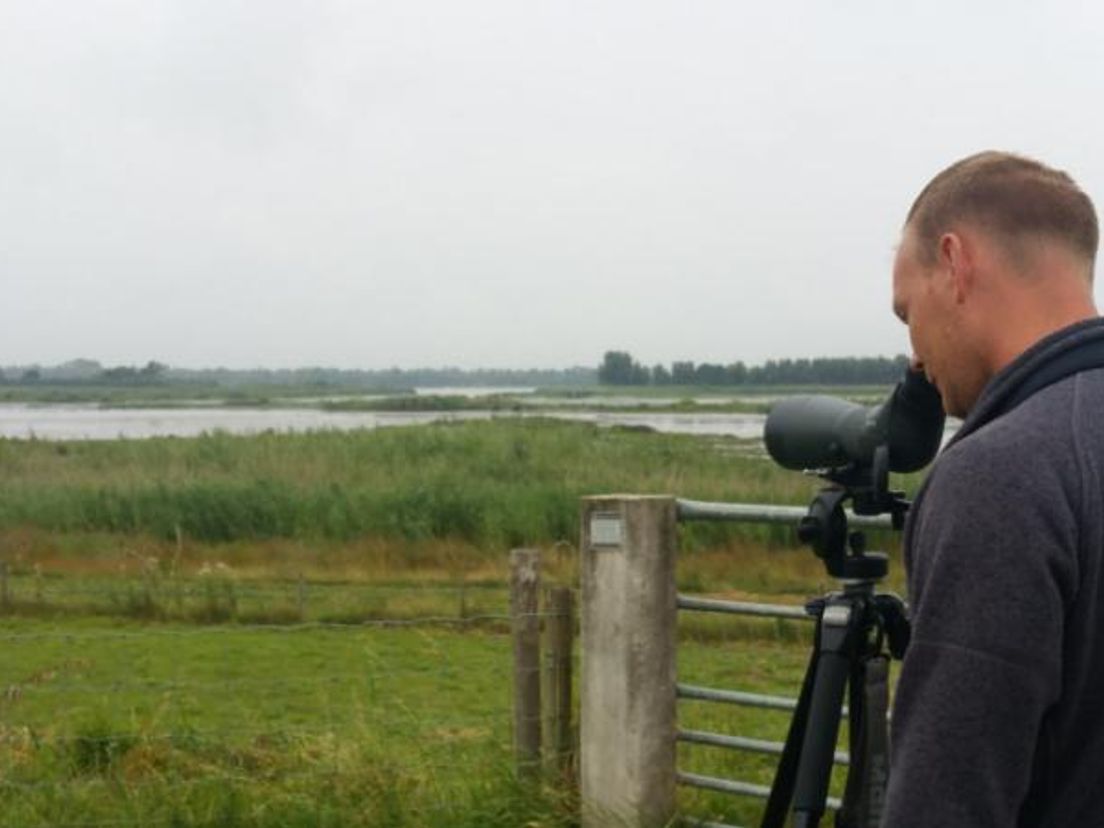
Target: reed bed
<point>439,503</point>
<point>496,484</point>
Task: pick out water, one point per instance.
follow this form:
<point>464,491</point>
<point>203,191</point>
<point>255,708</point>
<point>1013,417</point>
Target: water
<point>90,422</point>
<point>629,401</point>
<point>749,426</point>
<point>474,391</point>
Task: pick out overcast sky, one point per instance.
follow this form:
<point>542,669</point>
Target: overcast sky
<point>506,183</point>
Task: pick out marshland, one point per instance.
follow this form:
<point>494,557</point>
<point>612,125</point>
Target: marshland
<point>312,628</point>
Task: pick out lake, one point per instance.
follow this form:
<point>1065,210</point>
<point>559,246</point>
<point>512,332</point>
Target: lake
<point>90,422</point>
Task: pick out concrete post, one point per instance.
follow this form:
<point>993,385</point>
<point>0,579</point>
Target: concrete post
<point>627,687</point>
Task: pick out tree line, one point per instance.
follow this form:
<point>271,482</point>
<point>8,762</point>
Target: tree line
<point>619,368</point>
<point>87,372</point>
<point>90,372</point>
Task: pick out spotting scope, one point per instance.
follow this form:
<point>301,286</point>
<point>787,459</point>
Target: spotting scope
<point>828,434</point>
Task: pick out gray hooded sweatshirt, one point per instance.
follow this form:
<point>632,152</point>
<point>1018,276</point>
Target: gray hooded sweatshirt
<point>999,712</point>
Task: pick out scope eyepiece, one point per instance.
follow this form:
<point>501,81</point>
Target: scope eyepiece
<point>916,422</point>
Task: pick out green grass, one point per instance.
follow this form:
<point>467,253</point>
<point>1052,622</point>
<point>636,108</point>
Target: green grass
<point>228,726</point>
<point>195,726</point>
<point>113,707</point>
<point>115,711</point>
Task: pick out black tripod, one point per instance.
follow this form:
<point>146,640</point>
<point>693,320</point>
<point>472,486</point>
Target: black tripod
<point>857,631</point>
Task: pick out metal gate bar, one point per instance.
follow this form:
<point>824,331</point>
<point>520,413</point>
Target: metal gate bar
<point>712,783</point>
<point>762,513</point>
<point>704,737</point>
<point>691,691</point>
<point>743,608</point>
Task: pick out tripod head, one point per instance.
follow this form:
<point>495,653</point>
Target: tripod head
<point>825,528</point>
<point>844,553</point>
<point>854,448</point>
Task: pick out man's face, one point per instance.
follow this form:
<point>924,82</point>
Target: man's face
<point>923,298</point>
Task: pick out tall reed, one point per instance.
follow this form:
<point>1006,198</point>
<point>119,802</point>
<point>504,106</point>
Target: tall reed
<point>495,484</point>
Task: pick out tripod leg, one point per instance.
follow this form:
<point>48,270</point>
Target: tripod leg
<point>864,799</point>
<point>839,634</point>
<point>781,795</point>
<point>819,747</point>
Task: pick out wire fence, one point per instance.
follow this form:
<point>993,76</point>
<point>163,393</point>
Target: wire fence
<point>394,717</point>
<point>229,596</point>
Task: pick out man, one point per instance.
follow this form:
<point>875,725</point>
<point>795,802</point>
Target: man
<point>999,711</point>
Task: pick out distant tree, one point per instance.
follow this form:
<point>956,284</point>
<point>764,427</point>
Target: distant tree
<point>31,375</point>
<point>153,371</point>
<point>124,374</point>
<point>736,373</point>
<point>660,375</point>
<point>682,373</point>
<point>617,368</point>
<point>76,370</point>
<point>708,373</point>
<point>829,371</point>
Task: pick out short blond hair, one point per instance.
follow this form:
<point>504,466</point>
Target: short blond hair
<point>1009,195</point>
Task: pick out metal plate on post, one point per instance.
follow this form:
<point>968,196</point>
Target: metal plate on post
<point>605,529</point>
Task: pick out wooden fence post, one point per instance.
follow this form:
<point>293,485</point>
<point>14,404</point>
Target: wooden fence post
<point>560,634</point>
<point>524,608</point>
<point>5,594</point>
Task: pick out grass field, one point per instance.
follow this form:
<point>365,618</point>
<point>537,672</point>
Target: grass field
<point>292,630</point>
<point>107,723</point>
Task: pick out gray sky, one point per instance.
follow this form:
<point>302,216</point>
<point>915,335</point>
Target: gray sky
<point>495,182</point>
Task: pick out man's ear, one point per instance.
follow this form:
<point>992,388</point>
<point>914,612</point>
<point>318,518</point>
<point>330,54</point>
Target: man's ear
<point>957,262</point>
